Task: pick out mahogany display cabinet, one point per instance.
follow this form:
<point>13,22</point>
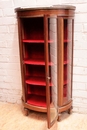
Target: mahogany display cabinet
<point>46,57</point>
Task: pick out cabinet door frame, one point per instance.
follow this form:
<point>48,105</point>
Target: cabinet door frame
<point>50,124</point>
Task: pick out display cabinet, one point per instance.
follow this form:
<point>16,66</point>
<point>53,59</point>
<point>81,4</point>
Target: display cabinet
<point>46,57</point>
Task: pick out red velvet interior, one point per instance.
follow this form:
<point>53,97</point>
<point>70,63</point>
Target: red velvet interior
<point>35,71</point>
<point>37,95</point>
<point>34,60</point>
<point>35,75</point>
<point>65,52</point>
<point>32,26</point>
<point>65,73</point>
<point>34,52</point>
<point>65,57</point>
<point>66,62</point>
<point>37,90</point>
<point>65,82</point>
<point>65,29</point>
<point>37,100</point>
<point>64,90</point>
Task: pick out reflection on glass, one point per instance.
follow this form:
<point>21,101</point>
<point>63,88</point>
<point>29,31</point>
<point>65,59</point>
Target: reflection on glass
<point>52,30</point>
<point>67,59</point>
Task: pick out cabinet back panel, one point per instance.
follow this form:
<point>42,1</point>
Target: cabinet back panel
<point>65,51</point>
<point>37,90</point>
<point>34,51</point>
<point>35,71</point>
<point>64,90</point>
<point>65,72</point>
<point>33,28</point>
<point>65,29</point>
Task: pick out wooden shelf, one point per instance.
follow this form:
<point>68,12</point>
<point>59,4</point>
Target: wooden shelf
<point>36,62</point>
<point>65,82</point>
<point>66,40</point>
<point>36,41</point>
<point>66,62</point>
<point>41,41</point>
<point>37,81</point>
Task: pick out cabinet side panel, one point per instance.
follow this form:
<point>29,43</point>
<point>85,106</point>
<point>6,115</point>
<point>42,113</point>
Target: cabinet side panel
<point>21,56</point>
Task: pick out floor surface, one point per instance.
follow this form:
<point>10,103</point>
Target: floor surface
<point>12,118</point>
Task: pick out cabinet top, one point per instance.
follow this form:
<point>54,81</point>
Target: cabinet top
<point>66,7</point>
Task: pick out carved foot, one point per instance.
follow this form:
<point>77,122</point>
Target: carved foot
<point>70,111</point>
<point>59,117</point>
<point>26,111</point>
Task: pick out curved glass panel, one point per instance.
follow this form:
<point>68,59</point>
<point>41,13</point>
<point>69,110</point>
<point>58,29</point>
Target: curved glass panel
<point>67,60</point>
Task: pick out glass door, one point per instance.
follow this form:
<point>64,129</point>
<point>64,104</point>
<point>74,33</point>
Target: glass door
<point>67,60</point>
<point>51,69</point>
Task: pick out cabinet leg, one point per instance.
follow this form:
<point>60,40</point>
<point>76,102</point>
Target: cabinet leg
<point>59,117</point>
<point>26,111</point>
<point>70,110</point>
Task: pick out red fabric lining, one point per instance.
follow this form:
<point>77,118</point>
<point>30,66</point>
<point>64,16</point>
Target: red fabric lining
<point>37,100</point>
<point>35,51</point>
<point>66,40</point>
<point>66,62</point>
<point>65,29</point>
<point>65,73</point>
<point>30,32</point>
<point>65,82</point>
<point>65,57</point>
<point>65,91</point>
<point>35,71</point>
<point>37,90</point>
<point>65,51</point>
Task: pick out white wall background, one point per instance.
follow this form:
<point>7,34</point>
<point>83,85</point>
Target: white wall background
<point>10,78</point>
